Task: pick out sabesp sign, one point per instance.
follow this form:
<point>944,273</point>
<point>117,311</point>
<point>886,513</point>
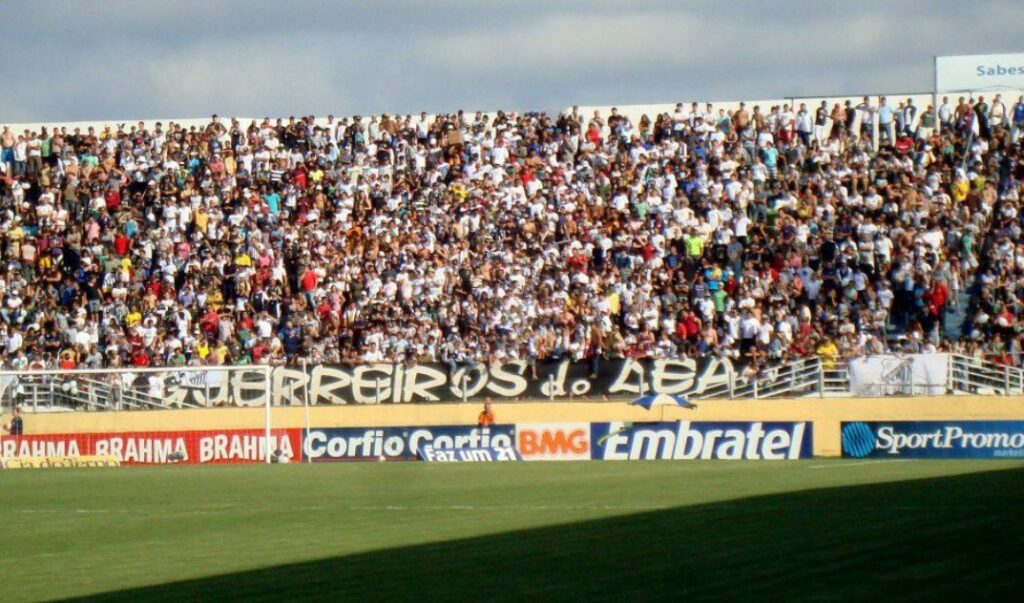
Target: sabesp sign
<point>554,441</point>
<point>979,72</point>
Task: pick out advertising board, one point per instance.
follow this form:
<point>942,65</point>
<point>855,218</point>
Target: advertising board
<point>979,72</point>
<point>933,439</point>
<point>158,447</point>
<point>400,443</point>
<point>701,440</point>
<point>468,455</point>
<point>60,462</point>
<point>553,441</point>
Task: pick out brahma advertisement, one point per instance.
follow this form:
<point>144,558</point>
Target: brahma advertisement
<point>159,447</point>
<point>933,439</point>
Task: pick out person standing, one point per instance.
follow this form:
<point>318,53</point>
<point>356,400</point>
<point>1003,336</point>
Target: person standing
<point>16,426</point>
<point>821,118</point>
<point>886,117</point>
<point>945,115</point>
<point>804,125</point>
<point>997,114</point>
<point>1018,120</point>
<point>486,417</point>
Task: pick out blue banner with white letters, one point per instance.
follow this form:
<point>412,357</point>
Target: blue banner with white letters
<point>400,443</point>
<point>933,439</point>
<point>468,455</point>
<point>701,440</point>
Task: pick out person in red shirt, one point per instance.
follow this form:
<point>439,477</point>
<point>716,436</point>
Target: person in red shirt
<point>208,323</point>
<point>308,282</point>
<point>113,199</point>
<point>937,298</point>
<point>122,243</point>
<point>140,358</point>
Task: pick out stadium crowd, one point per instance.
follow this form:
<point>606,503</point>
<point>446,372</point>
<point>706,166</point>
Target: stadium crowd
<point>761,233</point>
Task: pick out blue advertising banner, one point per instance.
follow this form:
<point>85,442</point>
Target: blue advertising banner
<point>933,439</point>
<point>701,440</point>
<point>400,443</point>
<point>467,455</point>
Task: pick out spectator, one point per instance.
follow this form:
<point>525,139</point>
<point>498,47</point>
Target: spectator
<point>16,426</point>
<point>486,418</point>
<point>471,237</point>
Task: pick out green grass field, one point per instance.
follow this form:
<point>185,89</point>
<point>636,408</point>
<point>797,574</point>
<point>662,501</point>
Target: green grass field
<point>516,531</point>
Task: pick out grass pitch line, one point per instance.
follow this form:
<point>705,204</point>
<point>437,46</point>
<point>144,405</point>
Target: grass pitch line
<point>372,508</point>
<point>875,462</point>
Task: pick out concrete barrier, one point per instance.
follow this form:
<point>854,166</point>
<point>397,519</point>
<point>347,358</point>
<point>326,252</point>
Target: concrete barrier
<point>825,414</point>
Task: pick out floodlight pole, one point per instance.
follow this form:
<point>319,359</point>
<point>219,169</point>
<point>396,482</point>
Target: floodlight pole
<point>305,399</point>
<point>266,410</point>
<point>935,96</point>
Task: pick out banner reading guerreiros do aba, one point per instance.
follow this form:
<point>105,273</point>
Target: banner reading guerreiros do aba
<point>701,440</point>
<point>400,443</point>
<point>933,439</point>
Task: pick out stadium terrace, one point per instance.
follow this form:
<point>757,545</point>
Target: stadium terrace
<point>760,233</point>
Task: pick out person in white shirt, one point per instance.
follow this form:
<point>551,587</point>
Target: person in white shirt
<point>804,125</point>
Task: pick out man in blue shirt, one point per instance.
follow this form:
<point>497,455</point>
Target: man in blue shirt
<point>1017,117</point>
<point>273,201</point>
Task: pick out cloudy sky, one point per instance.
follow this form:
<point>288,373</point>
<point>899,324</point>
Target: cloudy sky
<point>128,59</point>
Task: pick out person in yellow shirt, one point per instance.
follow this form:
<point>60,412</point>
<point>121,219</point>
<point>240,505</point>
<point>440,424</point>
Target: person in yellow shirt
<point>201,219</point>
<point>203,349</point>
<point>614,303</point>
<point>133,318</point>
<point>222,353</point>
<point>828,352</point>
<point>694,245</point>
<point>960,187</point>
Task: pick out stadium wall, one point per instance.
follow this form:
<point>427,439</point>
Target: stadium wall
<point>634,112</point>
<point>826,415</point>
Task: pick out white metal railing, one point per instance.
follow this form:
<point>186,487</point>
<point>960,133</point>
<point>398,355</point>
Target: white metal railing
<point>135,388</point>
<point>197,387</point>
<point>972,375</point>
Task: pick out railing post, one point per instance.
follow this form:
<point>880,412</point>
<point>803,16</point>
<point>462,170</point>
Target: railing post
<point>465,378</point>
<point>755,387</point>
<point>551,388</point>
<point>821,380</point>
<point>1006,380</point>
<point>911,379</point>
<point>732,384</point>
<point>376,391</point>
<point>950,377</point>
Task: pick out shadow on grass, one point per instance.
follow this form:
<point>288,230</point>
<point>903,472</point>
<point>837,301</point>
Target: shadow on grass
<point>947,537</point>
